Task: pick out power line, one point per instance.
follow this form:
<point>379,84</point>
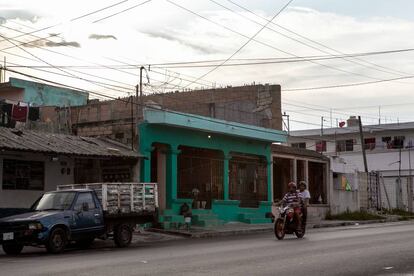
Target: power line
<point>206,63</point>
<point>227,123</point>
<point>76,58</point>
<point>127,9</point>
<point>347,84</point>
<point>266,44</point>
<point>73,19</point>
<point>244,44</point>
<point>171,111</point>
<point>388,70</point>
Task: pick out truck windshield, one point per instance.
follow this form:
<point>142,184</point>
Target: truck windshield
<point>54,201</point>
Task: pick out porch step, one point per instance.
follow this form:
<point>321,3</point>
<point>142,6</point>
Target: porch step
<point>253,218</point>
<point>172,218</point>
<point>201,211</point>
<point>209,222</point>
<point>244,216</point>
<point>258,220</point>
<point>169,212</point>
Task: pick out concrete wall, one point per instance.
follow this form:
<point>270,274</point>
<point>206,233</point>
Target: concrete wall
<point>258,105</point>
<point>53,177</point>
<point>343,201</point>
<point>12,94</point>
<point>39,94</point>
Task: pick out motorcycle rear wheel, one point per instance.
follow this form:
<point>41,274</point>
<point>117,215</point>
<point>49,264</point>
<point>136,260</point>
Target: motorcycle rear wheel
<point>279,229</point>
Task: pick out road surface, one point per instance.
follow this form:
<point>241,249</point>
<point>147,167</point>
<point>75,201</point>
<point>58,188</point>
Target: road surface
<point>384,249</point>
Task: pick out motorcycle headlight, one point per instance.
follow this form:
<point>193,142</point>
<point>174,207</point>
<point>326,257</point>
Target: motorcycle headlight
<point>35,226</point>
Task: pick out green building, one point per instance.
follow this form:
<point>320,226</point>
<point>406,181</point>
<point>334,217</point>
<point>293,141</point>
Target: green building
<point>40,94</point>
<point>222,169</point>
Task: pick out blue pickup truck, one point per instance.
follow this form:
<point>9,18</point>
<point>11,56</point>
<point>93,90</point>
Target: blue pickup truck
<point>79,216</point>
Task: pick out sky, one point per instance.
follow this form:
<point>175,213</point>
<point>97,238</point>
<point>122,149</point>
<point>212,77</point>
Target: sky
<point>92,45</point>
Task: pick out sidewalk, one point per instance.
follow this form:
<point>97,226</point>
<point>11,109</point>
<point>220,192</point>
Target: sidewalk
<point>238,228</point>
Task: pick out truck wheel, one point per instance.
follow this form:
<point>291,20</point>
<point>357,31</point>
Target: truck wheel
<point>123,235</point>
<point>57,241</point>
<point>12,248</point>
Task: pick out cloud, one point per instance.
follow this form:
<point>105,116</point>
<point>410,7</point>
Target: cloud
<point>99,37</point>
<point>184,42</point>
<point>18,14</point>
<point>47,43</point>
<point>63,43</point>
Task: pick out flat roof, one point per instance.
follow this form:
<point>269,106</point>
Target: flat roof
<point>17,84</point>
<point>212,125</point>
<point>354,129</point>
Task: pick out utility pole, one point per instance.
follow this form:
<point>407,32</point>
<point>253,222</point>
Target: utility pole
<point>410,183</point>
<point>131,98</point>
<point>322,126</point>
<point>141,100</point>
<point>138,104</point>
<point>379,115</point>
<point>361,136</point>
<point>399,190</point>
<point>330,116</point>
<point>288,123</point>
<point>4,70</point>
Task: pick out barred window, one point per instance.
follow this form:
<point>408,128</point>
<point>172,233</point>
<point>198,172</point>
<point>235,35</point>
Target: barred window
<point>23,175</point>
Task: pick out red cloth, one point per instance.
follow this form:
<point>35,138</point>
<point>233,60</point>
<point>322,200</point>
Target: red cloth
<point>19,113</point>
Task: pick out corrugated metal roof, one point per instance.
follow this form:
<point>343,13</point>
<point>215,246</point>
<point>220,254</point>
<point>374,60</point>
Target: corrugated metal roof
<point>34,141</point>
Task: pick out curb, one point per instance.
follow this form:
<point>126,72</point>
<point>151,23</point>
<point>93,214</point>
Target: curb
<point>213,234</point>
<point>352,223</point>
<point>235,232</point>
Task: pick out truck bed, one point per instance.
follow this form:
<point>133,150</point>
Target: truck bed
<point>123,199</point>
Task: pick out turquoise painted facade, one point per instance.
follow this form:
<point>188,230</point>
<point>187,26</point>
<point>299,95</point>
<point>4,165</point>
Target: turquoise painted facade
<point>178,129</point>
<point>39,94</point>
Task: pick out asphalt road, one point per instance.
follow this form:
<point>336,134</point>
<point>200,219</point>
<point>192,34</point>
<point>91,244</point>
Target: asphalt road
<point>385,249</point>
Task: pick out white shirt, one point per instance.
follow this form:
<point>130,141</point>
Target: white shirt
<point>304,195</point>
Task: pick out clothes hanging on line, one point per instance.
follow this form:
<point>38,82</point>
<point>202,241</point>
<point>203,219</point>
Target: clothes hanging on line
<point>34,113</point>
<point>20,113</point>
<point>5,115</point>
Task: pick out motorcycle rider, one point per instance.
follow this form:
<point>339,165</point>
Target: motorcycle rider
<point>293,200</point>
<point>305,196</point>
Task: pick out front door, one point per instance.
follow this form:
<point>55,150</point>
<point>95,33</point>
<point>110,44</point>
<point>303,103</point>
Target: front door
<point>88,219</point>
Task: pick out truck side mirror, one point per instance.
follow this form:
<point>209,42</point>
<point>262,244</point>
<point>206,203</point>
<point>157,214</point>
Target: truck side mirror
<point>85,206</point>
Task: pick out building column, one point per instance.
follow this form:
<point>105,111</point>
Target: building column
<point>295,171</point>
<point>226,180</point>
<point>146,167</point>
<point>269,179</point>
<point>306,164</point>
<point>172,168</point>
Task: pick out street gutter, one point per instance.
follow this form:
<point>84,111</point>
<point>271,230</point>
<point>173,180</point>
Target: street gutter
<point>198,232</point>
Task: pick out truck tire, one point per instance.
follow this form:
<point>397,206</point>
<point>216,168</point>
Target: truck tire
<point>12,248</point>
<point>123,235</point>
<point>57,241</point>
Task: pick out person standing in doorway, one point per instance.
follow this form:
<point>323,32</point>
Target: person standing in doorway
<point>305,196</point>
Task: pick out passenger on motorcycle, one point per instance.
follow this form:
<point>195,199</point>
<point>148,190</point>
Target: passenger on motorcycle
<point>305,196</point>
<point>293,200</point>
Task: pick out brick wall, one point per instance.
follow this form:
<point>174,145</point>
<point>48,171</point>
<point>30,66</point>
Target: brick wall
<point>258,105</point>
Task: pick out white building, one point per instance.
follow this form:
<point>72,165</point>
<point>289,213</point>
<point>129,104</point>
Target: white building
<point>388,151</point>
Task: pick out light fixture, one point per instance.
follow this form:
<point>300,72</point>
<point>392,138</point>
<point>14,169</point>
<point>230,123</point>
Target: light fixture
<point>209,136</point>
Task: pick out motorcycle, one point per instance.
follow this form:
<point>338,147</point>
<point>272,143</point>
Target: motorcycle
<point>287,223</point>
